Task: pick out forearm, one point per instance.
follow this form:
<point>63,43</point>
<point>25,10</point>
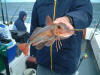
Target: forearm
<point>81,14</point>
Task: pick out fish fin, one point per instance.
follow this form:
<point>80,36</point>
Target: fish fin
<point>40,46</point>
<point>49,21</point>
<point>24,47</point>
<point>35,44</point>
<point>35,32</point>
<point>50,42</point>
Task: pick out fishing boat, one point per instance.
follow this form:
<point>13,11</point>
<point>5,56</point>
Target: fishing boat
<point>90,51</point>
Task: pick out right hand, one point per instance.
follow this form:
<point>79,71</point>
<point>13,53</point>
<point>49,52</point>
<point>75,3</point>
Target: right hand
<point>65,20</point>
<point>32,59</point>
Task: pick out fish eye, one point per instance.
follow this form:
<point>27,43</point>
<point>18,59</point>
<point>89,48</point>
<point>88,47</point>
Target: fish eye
<point>59,27</point>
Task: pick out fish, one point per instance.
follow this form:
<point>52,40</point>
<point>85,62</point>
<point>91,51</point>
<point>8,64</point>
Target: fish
<point>45,36</point>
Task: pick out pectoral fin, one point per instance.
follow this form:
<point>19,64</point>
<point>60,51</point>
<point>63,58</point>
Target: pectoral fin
<point>50,42</point>
<point>40,46</point>
<point>47,43</point>
<point>35,32</point>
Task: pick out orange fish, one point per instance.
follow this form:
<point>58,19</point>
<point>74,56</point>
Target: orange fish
<point>45,36</point>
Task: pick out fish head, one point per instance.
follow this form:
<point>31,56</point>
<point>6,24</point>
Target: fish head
<point>57,29</point>
<point>60,29</point>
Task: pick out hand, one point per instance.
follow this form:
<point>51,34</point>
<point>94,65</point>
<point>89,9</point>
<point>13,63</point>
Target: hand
<point>32,59</point>
<point>65,20</point>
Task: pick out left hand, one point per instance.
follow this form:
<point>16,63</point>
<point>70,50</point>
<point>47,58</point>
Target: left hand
<point>65,20</point>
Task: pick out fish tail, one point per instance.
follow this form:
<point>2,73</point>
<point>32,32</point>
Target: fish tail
<point>24,47</point>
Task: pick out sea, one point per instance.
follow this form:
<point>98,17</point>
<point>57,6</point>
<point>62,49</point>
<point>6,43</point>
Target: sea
<point>14,8</point>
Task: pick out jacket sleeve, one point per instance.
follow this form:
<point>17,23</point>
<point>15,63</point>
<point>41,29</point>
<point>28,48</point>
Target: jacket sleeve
<point>34,23</point>
<point>81,13</point>
<point>20,25</point>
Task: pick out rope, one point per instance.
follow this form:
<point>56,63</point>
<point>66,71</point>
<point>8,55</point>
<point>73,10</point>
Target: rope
<point>2,12</point>
<point>6,12</point>
<point>96,27</point>
<point>54,10</point>
<point>51,58</point>
<point>51,44</point>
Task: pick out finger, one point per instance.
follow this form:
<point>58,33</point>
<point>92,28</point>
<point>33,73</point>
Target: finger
<point>58,20</point>
<point>65,21</point>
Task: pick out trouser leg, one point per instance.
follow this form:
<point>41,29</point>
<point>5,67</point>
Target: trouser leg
<point>44,71</point>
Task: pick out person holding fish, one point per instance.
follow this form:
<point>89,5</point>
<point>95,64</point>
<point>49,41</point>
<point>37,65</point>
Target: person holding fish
<point>63,33</point>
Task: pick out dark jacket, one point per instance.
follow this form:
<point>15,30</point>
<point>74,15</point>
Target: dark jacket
<point>19,23</point>
<point>66,60</point>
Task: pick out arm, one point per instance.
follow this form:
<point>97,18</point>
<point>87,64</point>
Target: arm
<point>20,25</point>
<point>81,13</point>
<point>34,23</point>
<point>79,16</point>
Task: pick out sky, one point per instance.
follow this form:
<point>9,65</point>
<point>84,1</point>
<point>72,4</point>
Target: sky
<point>20,0</point>
<point>95,0</point>
<point>35,0</point>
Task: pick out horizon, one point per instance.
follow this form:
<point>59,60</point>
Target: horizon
<point>93,1</point>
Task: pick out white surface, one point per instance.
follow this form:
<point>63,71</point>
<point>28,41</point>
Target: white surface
<point>28,27</point>
<point>95,42</point>
<point>11,27</point>
<point>97,37</point>
<point>5,32</point>
<point>89,33</point>
<point>29,71</point>
<point>17,66</point>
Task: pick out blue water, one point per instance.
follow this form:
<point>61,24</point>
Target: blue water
<point>27,6</point>
<point>14,8</point>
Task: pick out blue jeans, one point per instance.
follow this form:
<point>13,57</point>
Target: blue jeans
<point>44,71</point>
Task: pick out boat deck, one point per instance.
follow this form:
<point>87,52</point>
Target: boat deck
<point>89,65</point>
